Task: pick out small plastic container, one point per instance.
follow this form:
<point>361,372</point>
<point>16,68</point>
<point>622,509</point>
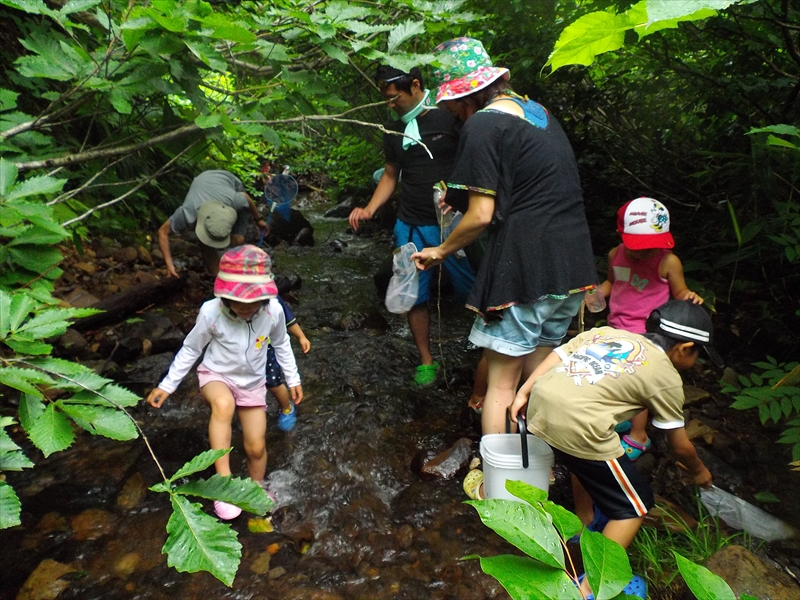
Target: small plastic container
<point>595,301</point>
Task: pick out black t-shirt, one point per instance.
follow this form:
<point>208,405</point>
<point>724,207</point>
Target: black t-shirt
<point>539,243</point>
<point>438,132</point>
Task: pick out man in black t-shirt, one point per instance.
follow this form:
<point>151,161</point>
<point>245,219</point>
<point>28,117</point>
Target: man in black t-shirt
<point>418,120</point>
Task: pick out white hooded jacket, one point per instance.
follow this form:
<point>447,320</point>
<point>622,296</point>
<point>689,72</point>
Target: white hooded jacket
<point>235,348</point>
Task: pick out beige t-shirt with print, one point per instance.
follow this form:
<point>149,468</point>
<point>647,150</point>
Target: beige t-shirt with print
<point>606,377</point>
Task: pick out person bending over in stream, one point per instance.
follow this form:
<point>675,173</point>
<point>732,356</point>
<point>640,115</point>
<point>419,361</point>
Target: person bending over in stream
<point>233,329</point>
<point>581,391</point>
<point>217,208</point>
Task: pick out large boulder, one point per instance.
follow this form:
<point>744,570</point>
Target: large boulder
<point>746,573</point>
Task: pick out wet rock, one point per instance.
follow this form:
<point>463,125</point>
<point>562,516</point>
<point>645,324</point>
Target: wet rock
<point>145,277</point>
<point>276,573</point>
<point>448,463</point>
<point>748,574</point>
<point>126,566</point>
<point>697,429</point>
<point>342,210</point>
<point>144,255</point>
<point>288,281</point>
<point>72,344</point>
<point>146,372</point>
<point>80,298</point>
<point>126,254</point>
<point>694,394</point>
<point>405,536</point>
<point>133,492</point>
<point>337,245</point>
<point>288,230</point>
<point>421,458</point>
<point>362,320</point>
<point>88,268</point>
<point>260,566</point>
<point>92,524</point>
<point>45,582</point>
<point>305,237</point>
<point>646,464</point>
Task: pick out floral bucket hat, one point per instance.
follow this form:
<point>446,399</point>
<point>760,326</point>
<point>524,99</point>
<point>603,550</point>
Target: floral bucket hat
<point>245,275</point>
<point>465,68</point>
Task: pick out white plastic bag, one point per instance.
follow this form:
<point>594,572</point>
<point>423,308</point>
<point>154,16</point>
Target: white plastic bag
<point>403,290</point>
<point>742,515</point>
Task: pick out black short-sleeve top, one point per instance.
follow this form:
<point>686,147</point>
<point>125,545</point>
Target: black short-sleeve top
<point>539,243</point>
<point>438,132</point>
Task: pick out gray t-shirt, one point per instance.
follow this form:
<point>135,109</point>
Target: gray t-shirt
<point>209,185</point>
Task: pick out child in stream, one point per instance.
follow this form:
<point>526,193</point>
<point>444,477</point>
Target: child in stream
<point>602,377</point>
<point>233,329</point>
<point>287,416</point>
<point>642,274</point>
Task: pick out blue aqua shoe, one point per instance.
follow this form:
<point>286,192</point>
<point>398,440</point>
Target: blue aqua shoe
<point>287,421</point>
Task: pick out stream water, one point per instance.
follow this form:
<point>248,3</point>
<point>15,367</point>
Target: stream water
<point>354,518</point>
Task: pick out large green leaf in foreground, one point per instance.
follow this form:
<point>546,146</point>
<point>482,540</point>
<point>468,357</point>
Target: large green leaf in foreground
<point>244,493</point>
<point>527,579</point>
<point>199,542</point>
<point>9,506</point>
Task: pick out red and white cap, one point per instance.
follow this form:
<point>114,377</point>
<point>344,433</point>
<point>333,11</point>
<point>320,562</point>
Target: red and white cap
<point>644,224</point>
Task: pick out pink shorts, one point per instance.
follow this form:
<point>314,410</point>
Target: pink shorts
<point>242,397</point>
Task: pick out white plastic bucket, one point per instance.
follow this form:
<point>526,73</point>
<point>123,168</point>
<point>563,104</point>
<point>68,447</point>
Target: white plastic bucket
<point>502,461</point>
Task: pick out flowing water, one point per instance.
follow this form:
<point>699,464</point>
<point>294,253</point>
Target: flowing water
<point>354,519</point>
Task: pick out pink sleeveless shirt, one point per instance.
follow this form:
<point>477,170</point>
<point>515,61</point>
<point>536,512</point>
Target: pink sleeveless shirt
<point>638,289</point>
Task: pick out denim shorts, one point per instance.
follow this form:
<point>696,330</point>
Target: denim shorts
<point>524,327</point>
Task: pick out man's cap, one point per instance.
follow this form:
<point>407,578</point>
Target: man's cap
<point>684,321</point>
<point>644,224</point>
<point>215,221</point>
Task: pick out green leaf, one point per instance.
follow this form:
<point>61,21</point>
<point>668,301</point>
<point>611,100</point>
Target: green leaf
<point>766,497</point>
<point>335,52</point>
<point>526,579</point>
<point>74,6</point>
<point>524,491</point>
<point>51,432</point>
<point>38,259</point>
<point>22,346</point>
<point>9,506</point>
<point>38,185</point>
<point>233,33</point>
<point>30,408</point>
<point>587,37</point>
<point>11,456</point>
<point>244,493</point>
<point>607,566</point>
<point>524,527</point>
<point>21,305</point>
<point>704,584</point>
<point>24,380</point>
<point>5,313</point>
<point>663,10</point>
<point>199,542</point>
<point>745,402</point>
<point>8,175</point>
<point>37,236</point>
<point>403,32</point>
<point>100,420</point>
<point>564,521</point>
<point>199,463</point>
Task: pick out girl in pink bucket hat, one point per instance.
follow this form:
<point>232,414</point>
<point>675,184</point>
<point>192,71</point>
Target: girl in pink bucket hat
<point>234,330</point>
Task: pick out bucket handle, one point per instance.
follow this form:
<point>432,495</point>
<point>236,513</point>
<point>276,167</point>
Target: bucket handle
<point>522,425</point>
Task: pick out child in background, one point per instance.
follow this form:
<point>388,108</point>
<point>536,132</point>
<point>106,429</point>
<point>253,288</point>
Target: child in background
<point>287,417</point>
<point>233,329</point>
<point>609,375</point>
<point>642,274</point>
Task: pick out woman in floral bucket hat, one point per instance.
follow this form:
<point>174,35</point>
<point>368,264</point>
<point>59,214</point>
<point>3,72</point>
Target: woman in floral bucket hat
<point>234,330</point>
<point>516,177</point>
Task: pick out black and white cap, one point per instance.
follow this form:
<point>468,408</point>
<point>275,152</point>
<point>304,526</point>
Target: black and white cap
<point>686,322</point>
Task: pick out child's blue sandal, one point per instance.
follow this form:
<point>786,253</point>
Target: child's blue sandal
<point>633,448</point>
<point>287,421</point>
<point>636,587</point>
